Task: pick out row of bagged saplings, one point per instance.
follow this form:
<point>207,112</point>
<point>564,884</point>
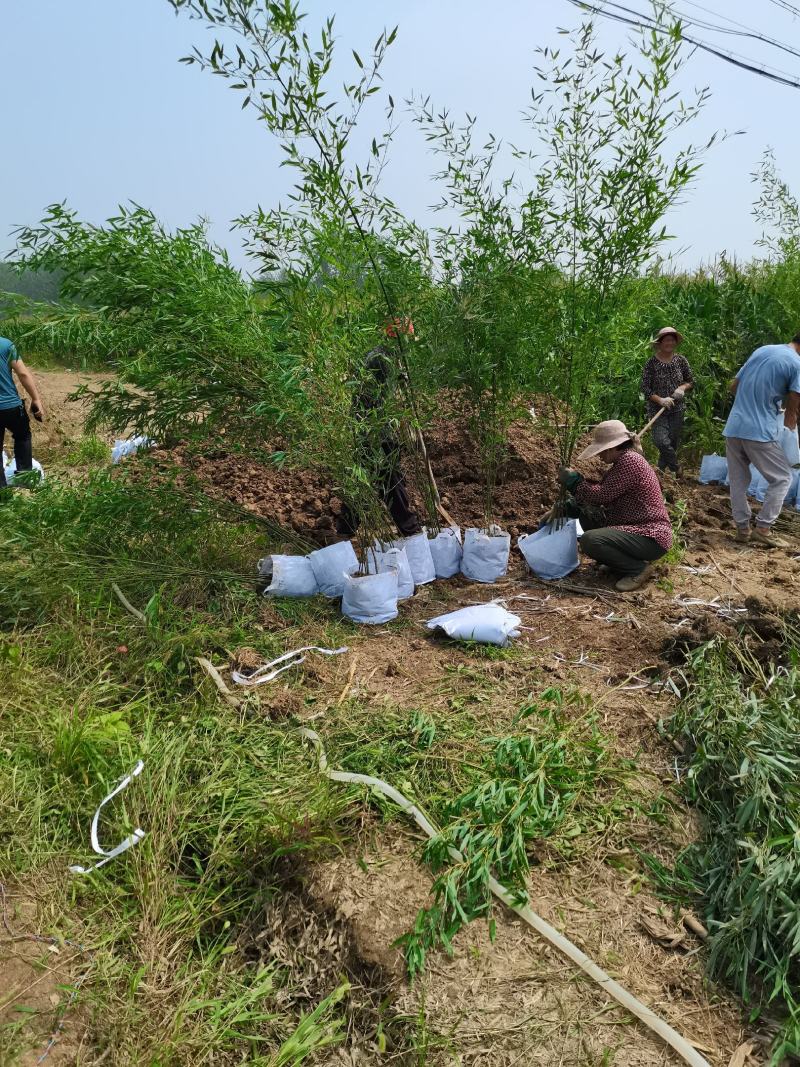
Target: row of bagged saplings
<point>396,568</point>
<point>714,471</point>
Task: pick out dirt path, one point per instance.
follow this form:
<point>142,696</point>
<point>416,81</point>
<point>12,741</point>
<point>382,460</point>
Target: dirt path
<point>64,424</point>
<point>36,988</point>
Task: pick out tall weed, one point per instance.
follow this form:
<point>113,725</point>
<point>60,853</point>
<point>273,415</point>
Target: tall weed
<point>740,719</point>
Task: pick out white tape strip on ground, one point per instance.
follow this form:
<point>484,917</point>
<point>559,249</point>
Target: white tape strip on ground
<point>269,671</point>
<point>123,846</point>
<point>652,1021</point>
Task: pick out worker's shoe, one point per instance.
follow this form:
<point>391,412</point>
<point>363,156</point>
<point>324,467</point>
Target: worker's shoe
<point>763,535</point>
<point>742,534</point>
<point>634,581</point>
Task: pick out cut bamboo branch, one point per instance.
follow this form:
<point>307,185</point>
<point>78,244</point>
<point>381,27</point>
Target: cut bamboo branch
<point>691,922</point>
<point>217,679</point>
<point>552,936</point>
<point>140,615</point>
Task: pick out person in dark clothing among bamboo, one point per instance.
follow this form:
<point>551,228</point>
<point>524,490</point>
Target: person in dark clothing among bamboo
<point>666,379</point>
<point>379,384</point>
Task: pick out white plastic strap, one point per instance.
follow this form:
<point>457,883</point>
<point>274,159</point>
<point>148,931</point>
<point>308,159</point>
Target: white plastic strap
<point>123,846</point>
<point>269,671</point>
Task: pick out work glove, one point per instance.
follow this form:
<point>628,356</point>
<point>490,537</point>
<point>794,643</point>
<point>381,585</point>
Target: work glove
<point>679,393</point>
<point>569,479</point>
<point>666,402</point>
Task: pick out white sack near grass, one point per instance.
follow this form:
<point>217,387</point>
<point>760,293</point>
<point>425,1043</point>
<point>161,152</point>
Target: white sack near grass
<point>420,560</point>
<point>485,555</point>
<point>288,576</point>
<point>490,624</point>
<point>446,552</point>
<point>370,599</point>
<point>382,558</point>
<point>10,468</point>
<point>759,486</point>
<point>552,553</point>
<point>713,469</point>
<point>129,446</point>
<point>331,564</point>
<point>789,442</point>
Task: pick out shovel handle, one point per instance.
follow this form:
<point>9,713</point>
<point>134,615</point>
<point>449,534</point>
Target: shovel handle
<point>655,418</point>
<point>445,514</point>
<point>439,505</point>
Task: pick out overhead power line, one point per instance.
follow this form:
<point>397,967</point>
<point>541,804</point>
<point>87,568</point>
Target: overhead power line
<point>702,24</point>
<point>785,6</point>
<point>741,31</point>
<point>640,21</point>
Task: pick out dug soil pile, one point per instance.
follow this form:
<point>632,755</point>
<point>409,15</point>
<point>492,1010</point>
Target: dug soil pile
<point>306,501</point>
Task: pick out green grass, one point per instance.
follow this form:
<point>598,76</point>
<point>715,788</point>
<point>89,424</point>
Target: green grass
<point>231,799</point>
<point>224,799</point>
<point>740,723</point>
<point>89,452</point>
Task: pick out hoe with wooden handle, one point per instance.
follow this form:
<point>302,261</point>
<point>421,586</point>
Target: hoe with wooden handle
<point>655,418</point>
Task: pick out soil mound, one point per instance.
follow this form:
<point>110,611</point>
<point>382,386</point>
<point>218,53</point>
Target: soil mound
<point>300,500</point>
<point>306,501</point>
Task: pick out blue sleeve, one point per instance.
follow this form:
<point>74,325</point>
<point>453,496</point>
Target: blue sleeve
<point>793,375</point>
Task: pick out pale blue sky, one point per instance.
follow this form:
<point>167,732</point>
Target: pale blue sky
<point>97,109</point>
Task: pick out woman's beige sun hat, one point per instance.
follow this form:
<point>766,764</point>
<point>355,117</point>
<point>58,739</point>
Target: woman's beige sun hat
<point>607,435</point>
<point>665,331</point>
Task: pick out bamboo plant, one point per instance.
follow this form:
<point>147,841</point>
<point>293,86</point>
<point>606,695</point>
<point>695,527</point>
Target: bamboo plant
<point>264,51</point>
<point>566,244</point>
<point>193,349</point>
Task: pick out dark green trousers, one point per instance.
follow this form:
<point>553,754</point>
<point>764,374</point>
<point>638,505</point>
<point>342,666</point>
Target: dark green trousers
<point>623,553</point>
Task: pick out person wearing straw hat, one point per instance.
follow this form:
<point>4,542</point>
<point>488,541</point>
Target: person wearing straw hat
<point>666,379</point>
<point>637,530</point>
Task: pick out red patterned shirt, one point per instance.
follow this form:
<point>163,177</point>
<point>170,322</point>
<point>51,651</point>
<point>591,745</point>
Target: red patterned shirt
<point>631,496</point>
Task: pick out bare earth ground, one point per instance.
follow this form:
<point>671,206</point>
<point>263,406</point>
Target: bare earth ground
<point>36,987</point>
<point>514,1001</point>
<point>64,423</point>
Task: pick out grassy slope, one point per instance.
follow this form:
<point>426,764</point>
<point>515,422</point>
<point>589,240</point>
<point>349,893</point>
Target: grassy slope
<point>232,799</point>
<point>87,691</point>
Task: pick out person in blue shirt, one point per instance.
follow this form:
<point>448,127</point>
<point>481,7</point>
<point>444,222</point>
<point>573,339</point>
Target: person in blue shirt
<point>13,416</point>
<point>769,380</point>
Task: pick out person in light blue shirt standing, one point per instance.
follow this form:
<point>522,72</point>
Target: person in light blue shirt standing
<point>769,380</point>
<point>13,416</point>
